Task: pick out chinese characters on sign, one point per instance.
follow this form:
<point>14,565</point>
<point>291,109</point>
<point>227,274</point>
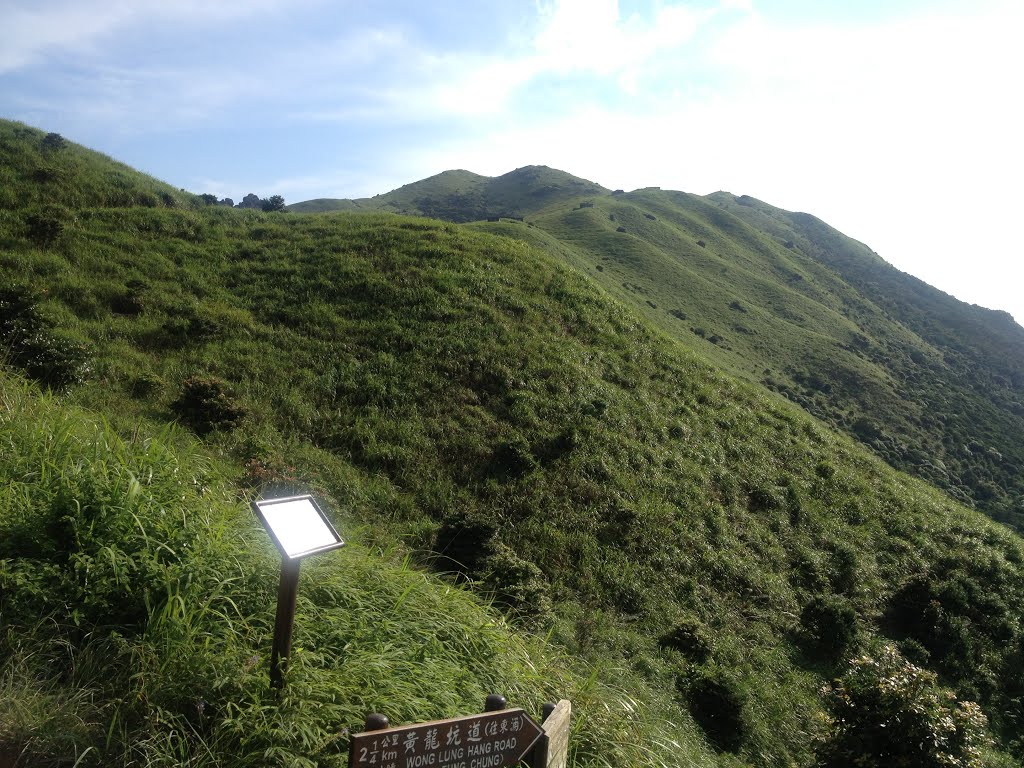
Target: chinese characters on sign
<point>490,740</point>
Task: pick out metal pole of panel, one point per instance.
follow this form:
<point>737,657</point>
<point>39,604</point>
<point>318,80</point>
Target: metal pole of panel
<point>286,592</point>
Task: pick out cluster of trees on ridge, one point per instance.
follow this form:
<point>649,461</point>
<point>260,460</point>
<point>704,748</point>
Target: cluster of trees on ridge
<point>252,200</point>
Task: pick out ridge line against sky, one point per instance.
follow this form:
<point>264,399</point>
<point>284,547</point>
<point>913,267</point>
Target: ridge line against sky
<point>896,122</point>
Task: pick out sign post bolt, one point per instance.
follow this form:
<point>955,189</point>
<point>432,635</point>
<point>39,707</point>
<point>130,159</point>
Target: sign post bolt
<point>495,702</point>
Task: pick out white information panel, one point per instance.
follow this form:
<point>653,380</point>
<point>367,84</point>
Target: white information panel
<point>298,526</point>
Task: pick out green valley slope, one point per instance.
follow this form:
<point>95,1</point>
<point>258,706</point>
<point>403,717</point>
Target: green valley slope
<point>472,402</point>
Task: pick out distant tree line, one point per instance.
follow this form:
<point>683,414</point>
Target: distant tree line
<point>272,203</point>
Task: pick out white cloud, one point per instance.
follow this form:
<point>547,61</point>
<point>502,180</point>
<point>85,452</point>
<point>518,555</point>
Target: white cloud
<point>572,38</point>
<point>905,135</point>
<point>592,36</point>
<point>136,100</point>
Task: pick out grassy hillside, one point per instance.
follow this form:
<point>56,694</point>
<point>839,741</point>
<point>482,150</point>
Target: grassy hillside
<point>959,371</point>
<point>932,385</point>
<point>710,551</point>
<point>137,596</point>
<point>48,174</point>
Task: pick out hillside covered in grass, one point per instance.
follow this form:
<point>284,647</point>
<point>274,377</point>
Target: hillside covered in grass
<point>930,384</point>
<point>706,552</point>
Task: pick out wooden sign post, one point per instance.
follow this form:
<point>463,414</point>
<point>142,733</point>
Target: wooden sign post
<point>498,739</point>
<point>556,734</point>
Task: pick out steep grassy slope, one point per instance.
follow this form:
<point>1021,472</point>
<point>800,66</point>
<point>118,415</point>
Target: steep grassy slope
<point>932,385</point>
<point>960,373</point>
<point>707,545</point>
<point>462,196</point>
<point>48,173</point>
<point>136,613</point>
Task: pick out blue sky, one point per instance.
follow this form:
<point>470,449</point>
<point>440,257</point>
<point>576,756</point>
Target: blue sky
<point>898,122</point>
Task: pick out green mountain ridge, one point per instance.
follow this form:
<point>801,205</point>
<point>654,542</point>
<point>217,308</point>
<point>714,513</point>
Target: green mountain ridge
<point>462,196</point>
<point>931,384</point>
<point>709,573</point>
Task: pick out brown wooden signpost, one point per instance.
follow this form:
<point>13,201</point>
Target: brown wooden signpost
<point>490,740</point>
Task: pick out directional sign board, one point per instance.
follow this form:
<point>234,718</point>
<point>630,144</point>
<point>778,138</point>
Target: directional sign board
<point>491,740</point>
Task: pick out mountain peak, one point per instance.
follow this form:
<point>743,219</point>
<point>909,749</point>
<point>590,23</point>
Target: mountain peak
<point>459,195</point>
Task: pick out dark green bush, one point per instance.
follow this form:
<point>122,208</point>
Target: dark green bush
<point>512,458</point>
<point>716,704</point>
<point>130,304</point>
<point>46,225</point>
<point>830,627</point>
<point>690,638</point>
<point>53,142</point>
<point>206,404</point>
<point>518,585</point>
<point>463,543</point>
<point>145,385</point>
<point>846,569</point>
<point>938,613</point>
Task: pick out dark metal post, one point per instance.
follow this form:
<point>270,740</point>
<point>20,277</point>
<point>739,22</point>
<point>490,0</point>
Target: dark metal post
<point>376,722</point>
<point>286,593</point>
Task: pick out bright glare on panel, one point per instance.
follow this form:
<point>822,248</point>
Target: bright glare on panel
<point>298,526</point>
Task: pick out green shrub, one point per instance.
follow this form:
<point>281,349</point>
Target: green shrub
<point>205,404</point>
<point>512,458</point>
<point>145,385</point>
<point>46,225</point>
<point>463,542</point>
<point>690,638</point>
<point>948,615</point>
<point>28,341</point>
<point>830,626</point>
<point>518,585</point>
<point>847,567</point>
<point>716,704</point>
<point>889,712</point>
<point>53,142</point>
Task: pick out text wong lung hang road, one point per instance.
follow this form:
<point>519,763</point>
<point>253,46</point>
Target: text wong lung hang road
<point>489,740</point>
